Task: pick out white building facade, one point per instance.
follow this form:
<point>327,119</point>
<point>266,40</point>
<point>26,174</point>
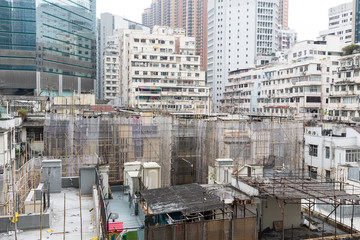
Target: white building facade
<point>287,38</point>
<point>345,90</point>
<point>340,22</point>
<point>297,88</point>
<point>160,71</point>
<point>332,152</point>
<point>241,34</point>
<point>107,26</point>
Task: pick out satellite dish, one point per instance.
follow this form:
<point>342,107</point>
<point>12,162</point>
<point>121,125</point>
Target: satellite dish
<point>114,216</point>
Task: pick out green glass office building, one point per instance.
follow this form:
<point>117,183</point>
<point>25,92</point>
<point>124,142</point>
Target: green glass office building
<point>356,21</point>
<point>47,46</point>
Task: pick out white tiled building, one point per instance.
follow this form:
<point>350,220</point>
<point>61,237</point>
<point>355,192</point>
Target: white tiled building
<point>344,104</point>
<point>111,72</point>
<point>241,34</point>
<point>160,71</point>
<point>297,88</point>
<point>287,38</point>
<point>332,151</point>
<point>340,22</point>
<point>108,24</point>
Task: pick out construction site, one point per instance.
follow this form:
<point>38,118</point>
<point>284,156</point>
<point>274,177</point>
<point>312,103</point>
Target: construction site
<point>185,147</point>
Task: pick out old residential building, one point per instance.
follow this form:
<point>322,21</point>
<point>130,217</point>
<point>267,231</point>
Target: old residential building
<point>160,71</point>
<point>345,90</point>
<point>297,88</point>
<point>332,152</point>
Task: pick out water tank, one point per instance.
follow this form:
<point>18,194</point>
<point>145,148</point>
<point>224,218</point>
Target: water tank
<point>151,176</point>
<point>130,168</point>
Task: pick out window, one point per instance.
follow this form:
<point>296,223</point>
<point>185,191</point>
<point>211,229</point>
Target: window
<point>34,134</point>
<point>313,150</point>
<point>352,155</point>
<point>327,152</point>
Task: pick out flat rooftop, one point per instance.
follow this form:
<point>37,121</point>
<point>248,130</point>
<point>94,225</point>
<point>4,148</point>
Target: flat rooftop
<point>72,219</point>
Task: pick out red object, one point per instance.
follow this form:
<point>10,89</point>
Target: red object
<point>152,97</point>
<point>116,227</point>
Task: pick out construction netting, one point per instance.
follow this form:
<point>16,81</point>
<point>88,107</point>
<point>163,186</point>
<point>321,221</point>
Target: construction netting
<point>184,148</point>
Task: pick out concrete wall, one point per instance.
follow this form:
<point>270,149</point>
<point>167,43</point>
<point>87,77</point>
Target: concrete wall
<point>25,222</point>
<point>87,180</point>
<point>67,182</point>
<point>51,174</point>
<point>271,212</point>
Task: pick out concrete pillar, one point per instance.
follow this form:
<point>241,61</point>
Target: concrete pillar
<point>51,175</point>
<point>87,180</point>
<point>104,172</point>
<point>38,84</point>
<point>79,85</point>
<point>60,85</point>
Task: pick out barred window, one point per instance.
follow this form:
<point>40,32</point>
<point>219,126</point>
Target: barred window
<point>313,150</point>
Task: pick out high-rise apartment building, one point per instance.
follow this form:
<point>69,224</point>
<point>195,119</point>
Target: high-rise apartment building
<point>190,15</point>
<point>284,13</point>
<point>160,71</point>
<point>287,38</point>
<point>47,46</point>
<point>107,26</point>
<point>340,22</point>
<point>241,34</point>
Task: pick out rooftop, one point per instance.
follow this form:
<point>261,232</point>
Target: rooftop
<point>296,189</point>
<point>72,219</point>
<point>188,199</point>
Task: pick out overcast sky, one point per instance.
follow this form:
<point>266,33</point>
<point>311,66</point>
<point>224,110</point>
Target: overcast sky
<point>307,17</point>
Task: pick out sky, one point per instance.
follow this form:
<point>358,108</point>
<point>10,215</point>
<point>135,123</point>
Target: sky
<point>307,17</point>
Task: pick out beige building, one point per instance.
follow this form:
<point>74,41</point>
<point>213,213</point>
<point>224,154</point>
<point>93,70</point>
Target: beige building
<point>284,13</point>
<point>76,104</point>
<point>160,71</point>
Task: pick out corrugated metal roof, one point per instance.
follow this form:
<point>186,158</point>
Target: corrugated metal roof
<point>188,199</point>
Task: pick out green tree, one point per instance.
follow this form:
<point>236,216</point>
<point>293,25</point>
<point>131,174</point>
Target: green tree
<point>348,50</point>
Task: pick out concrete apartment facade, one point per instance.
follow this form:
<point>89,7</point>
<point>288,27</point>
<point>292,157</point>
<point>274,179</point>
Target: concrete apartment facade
<point>332,152</point>
<point>190,15</point>
<point>160,71</point>
<point>287,38</point>
<point>340,22</point>
<point>298,87</point>
<point>108,24</point>
<point>345,90</point>
<point>241,34</point>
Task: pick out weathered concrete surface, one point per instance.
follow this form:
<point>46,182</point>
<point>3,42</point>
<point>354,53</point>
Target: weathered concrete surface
<point>24,222</point>
<point>87,180</point>
<point>51,175</point>
<point>70,182</point>
<point>57,220</point>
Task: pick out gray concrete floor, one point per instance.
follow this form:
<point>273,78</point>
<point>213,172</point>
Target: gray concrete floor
<point>120,205</point>
<point>324,230</point>
<point>72,219</point>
